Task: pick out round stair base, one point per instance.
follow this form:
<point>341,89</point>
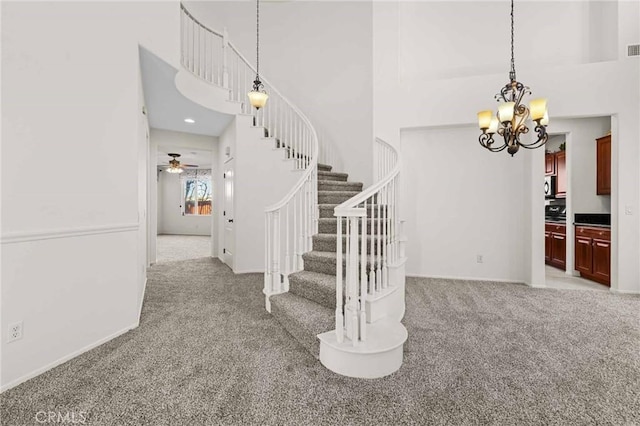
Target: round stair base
<point>367,360</point>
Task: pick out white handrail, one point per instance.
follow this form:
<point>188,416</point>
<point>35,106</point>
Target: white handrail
<point>372,245</point>
<point>291,222</point>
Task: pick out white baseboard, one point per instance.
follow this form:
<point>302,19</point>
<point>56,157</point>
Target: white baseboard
<point>144,290</point>
<point>617,291</point>
<point>261,271</point>
<point>498,280</point>
<point>64,359</point>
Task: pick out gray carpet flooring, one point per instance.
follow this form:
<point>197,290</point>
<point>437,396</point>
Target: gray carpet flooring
<point>171,248</point>
<point>207,352</point>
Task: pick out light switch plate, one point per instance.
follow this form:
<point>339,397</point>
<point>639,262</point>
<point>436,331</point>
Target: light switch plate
<point>628,210</point>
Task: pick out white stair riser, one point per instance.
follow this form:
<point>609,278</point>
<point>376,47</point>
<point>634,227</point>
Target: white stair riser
<point>363,366</point>
<point>391,306</point>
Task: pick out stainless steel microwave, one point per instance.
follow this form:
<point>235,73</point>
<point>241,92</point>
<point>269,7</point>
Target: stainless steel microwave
<point>549,187</point>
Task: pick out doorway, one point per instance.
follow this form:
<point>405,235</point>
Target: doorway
<point>578,205</point>
<point>228,213</point>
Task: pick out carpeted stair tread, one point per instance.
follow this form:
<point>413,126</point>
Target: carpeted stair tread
<point>328,242</point>
<point>326,209</point>
<point>324,167</point>
<point>320,288</point>
<point>303,319</point>
<point>332,176</point>
<point>324,262</point>
<point>335,185</point>
<point>329,225</point>
<point>327,197</point>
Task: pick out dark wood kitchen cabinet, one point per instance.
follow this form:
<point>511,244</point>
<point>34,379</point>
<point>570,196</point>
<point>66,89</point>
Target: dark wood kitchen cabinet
<point>555,245</point>
<point>549,164</point>
<point>593,253</point>
<point>561,173</point>
<point>603,165</point>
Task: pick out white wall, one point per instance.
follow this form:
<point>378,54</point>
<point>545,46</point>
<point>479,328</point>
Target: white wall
<point>547,33</point>
<point>461,203</point>
<point>262,178</point>
<point>319,55</point>
<point>70,96</point>
<point>573,89</point>
<point>170,217</point>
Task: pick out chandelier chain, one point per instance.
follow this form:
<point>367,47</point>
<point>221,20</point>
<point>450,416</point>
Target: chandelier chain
<point>513,61</point>
<point>257,39</point>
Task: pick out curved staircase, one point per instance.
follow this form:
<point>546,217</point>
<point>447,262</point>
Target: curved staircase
<point>334,255</point>
<point>307,310</point>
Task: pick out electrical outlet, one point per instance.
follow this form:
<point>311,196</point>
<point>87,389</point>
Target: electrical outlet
<point>15,332</point>
<point>479,258</point>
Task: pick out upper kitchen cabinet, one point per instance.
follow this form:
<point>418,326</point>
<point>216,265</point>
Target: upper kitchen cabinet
<point>603,165</point>
<point>549,164</point>
<point>561,173</point>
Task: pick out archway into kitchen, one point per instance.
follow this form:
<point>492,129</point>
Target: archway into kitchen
<point>577,191</point>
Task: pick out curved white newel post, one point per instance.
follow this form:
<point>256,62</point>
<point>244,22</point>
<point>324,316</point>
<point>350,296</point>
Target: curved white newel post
<point>372,247</point>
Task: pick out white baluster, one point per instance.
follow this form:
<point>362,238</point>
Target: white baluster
<point>339,315</point>
<point>267,255</point>
<point>385,275</point>
<point>363,276</point>
<point>275,286</point>
<point>287,255</point>
<point>353,278</point>
<point>379,251</point>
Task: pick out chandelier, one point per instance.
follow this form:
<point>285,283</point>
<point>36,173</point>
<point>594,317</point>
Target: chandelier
<point>258,96</point>
<point>512,114</point>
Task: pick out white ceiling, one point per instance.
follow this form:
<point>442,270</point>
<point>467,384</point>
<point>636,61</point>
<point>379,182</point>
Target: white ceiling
<point>167,108</point>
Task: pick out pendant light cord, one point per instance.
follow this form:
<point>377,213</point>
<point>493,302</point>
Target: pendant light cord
<point>512,74</point>
<point>257,39</point>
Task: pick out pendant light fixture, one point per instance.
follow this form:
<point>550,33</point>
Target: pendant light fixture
<point>512,114</point>
<point>258,96</point>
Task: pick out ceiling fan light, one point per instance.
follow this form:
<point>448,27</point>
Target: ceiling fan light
<point>174,170</point>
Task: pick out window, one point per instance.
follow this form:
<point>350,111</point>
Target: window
<point>196,190</point>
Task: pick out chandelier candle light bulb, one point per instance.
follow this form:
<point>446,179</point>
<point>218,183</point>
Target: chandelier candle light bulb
<point>505,111</point>
<point>538,108</point>
<point>484,119</point>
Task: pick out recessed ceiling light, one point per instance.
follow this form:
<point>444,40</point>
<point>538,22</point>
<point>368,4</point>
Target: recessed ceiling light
<point>189,120</point>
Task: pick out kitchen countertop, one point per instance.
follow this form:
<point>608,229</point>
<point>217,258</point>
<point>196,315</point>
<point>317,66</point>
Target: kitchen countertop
<point>592,225</point>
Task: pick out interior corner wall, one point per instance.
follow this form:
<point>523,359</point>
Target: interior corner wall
<point>458,208</point>
<point>319,55</point>
<point>70,248</point>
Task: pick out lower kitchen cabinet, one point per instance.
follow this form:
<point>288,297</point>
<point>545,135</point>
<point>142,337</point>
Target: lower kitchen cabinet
<point>555,247</point>
<point>593,253</point>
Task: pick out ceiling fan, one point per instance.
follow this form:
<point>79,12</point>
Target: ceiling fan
<point>175,166</point>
